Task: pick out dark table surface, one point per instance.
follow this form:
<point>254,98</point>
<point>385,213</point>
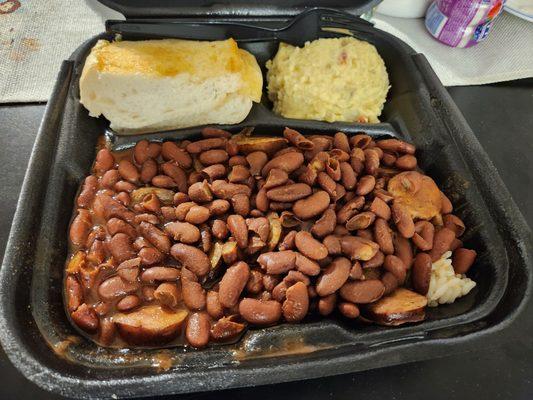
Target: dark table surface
<point>501,116</point>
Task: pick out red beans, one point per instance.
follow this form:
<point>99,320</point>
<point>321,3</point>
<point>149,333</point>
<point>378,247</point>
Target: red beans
<point>233,283</point>
<point>258,312</point>
<point>208,236</point>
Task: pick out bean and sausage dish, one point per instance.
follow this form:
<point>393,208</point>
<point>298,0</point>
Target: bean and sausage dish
<point>191,242</point>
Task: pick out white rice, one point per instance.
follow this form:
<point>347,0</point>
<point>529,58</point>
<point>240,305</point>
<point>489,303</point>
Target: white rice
<point>445,285</point>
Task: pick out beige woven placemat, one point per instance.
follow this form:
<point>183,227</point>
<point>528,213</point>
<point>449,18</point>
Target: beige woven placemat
<point>35,37</point>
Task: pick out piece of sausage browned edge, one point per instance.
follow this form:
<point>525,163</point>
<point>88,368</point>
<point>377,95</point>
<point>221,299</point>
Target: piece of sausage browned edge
<point>190,242</point>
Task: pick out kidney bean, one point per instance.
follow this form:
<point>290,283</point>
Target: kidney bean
<point>225,190</point>
<point>198,329</point>
<point>230,252</point>
<point>349,310</point>
<point>168,294</point>
<point>88,191</point>
<point>115,287</point>
<point>288,241</point>
<point>351,208</point>
<point>129,269</point>
<point>348,176</point>
<point>147,218</point>
<point>306,266</point>
<point>261,200</point>
<point>102,308</point>
<point>383,236</point>
<point>120,247</point>
<point>421,274</point>
<point>289,193</point>
<point>180,198</point>
<point>454,223</point>
<point>396,145</point>
<point>403,220</point>
<point>309,246</point>
<point>183,232</point>
<point>260,226</point>
<point>357,160</point>
<point>85,318</point>
<point>406,162</point>
<point>192,258</point>
<point>376,261</point>
<point>210,132</point>
<point>311,206</point>
<point>296,303</point>
<point>257,161</point>
<point>182,210</point>
<point>270,281</point>
<point>107,331</point>
<point>371,161</point>
<point>333,277</point>
<point>140,151</point>
<point>216,156</point>
<point>112,208</point>
<point>296,276</point>
<point>255,282</point>
<point>241,204</point>
<point>155,236</point>
<point>194,295</point>
<point>388,159</point>
<point>357,248</point>
<point>214,172</point>
<point>124,198</point>
<point>456,244</point>
<point>128,171</point>
<point>365,185</point>
<point>442,242</point>
<point>423,237</point>
<point>148,293</point>
<point>259,312</point>
<point>279,291</point>
<point>74,293</point>
<point>326,304</point>
<point>287,162</point>
<point>163,181</point>
<point>160,274</point>
<point>333,244</point>
<point>206,238</point>
<point>276,177</point>
<point>298,140</point>
<point>213,306</point>
<point>150,256</point>
<point>104,161</point>
<point>168,214</point>
<point>110,178</point>
<point>200,192</point>
<point>360,221</point>
<point>233,283</point>
<point>356,272</point>
<point>403,250</point>
<point>177,175</point>
<point>239,230</point>
<point>197,215</point>
<point>206,144</point>
<point>226,329</point>
<point>129,302</point>
<point>277,206</point>
<point>362,292</point>
<point>340,141</point>
<point>219,229</point>
<point>80,228</point>
<point>380,208</point>
<point>333,168</point>
<point>277,262</point>
<point>327,183</point>
<point>463,259</point>
<point>171,152</point>
<point>396,267</point>
<point>238,173</point>
<point>237,160</point>
<point>446,204</point>
<point>325,224</point>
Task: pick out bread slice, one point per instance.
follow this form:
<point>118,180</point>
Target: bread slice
<point>153,85</point>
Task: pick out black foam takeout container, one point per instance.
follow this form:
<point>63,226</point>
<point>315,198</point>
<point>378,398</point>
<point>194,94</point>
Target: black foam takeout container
<point>43,345</point>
